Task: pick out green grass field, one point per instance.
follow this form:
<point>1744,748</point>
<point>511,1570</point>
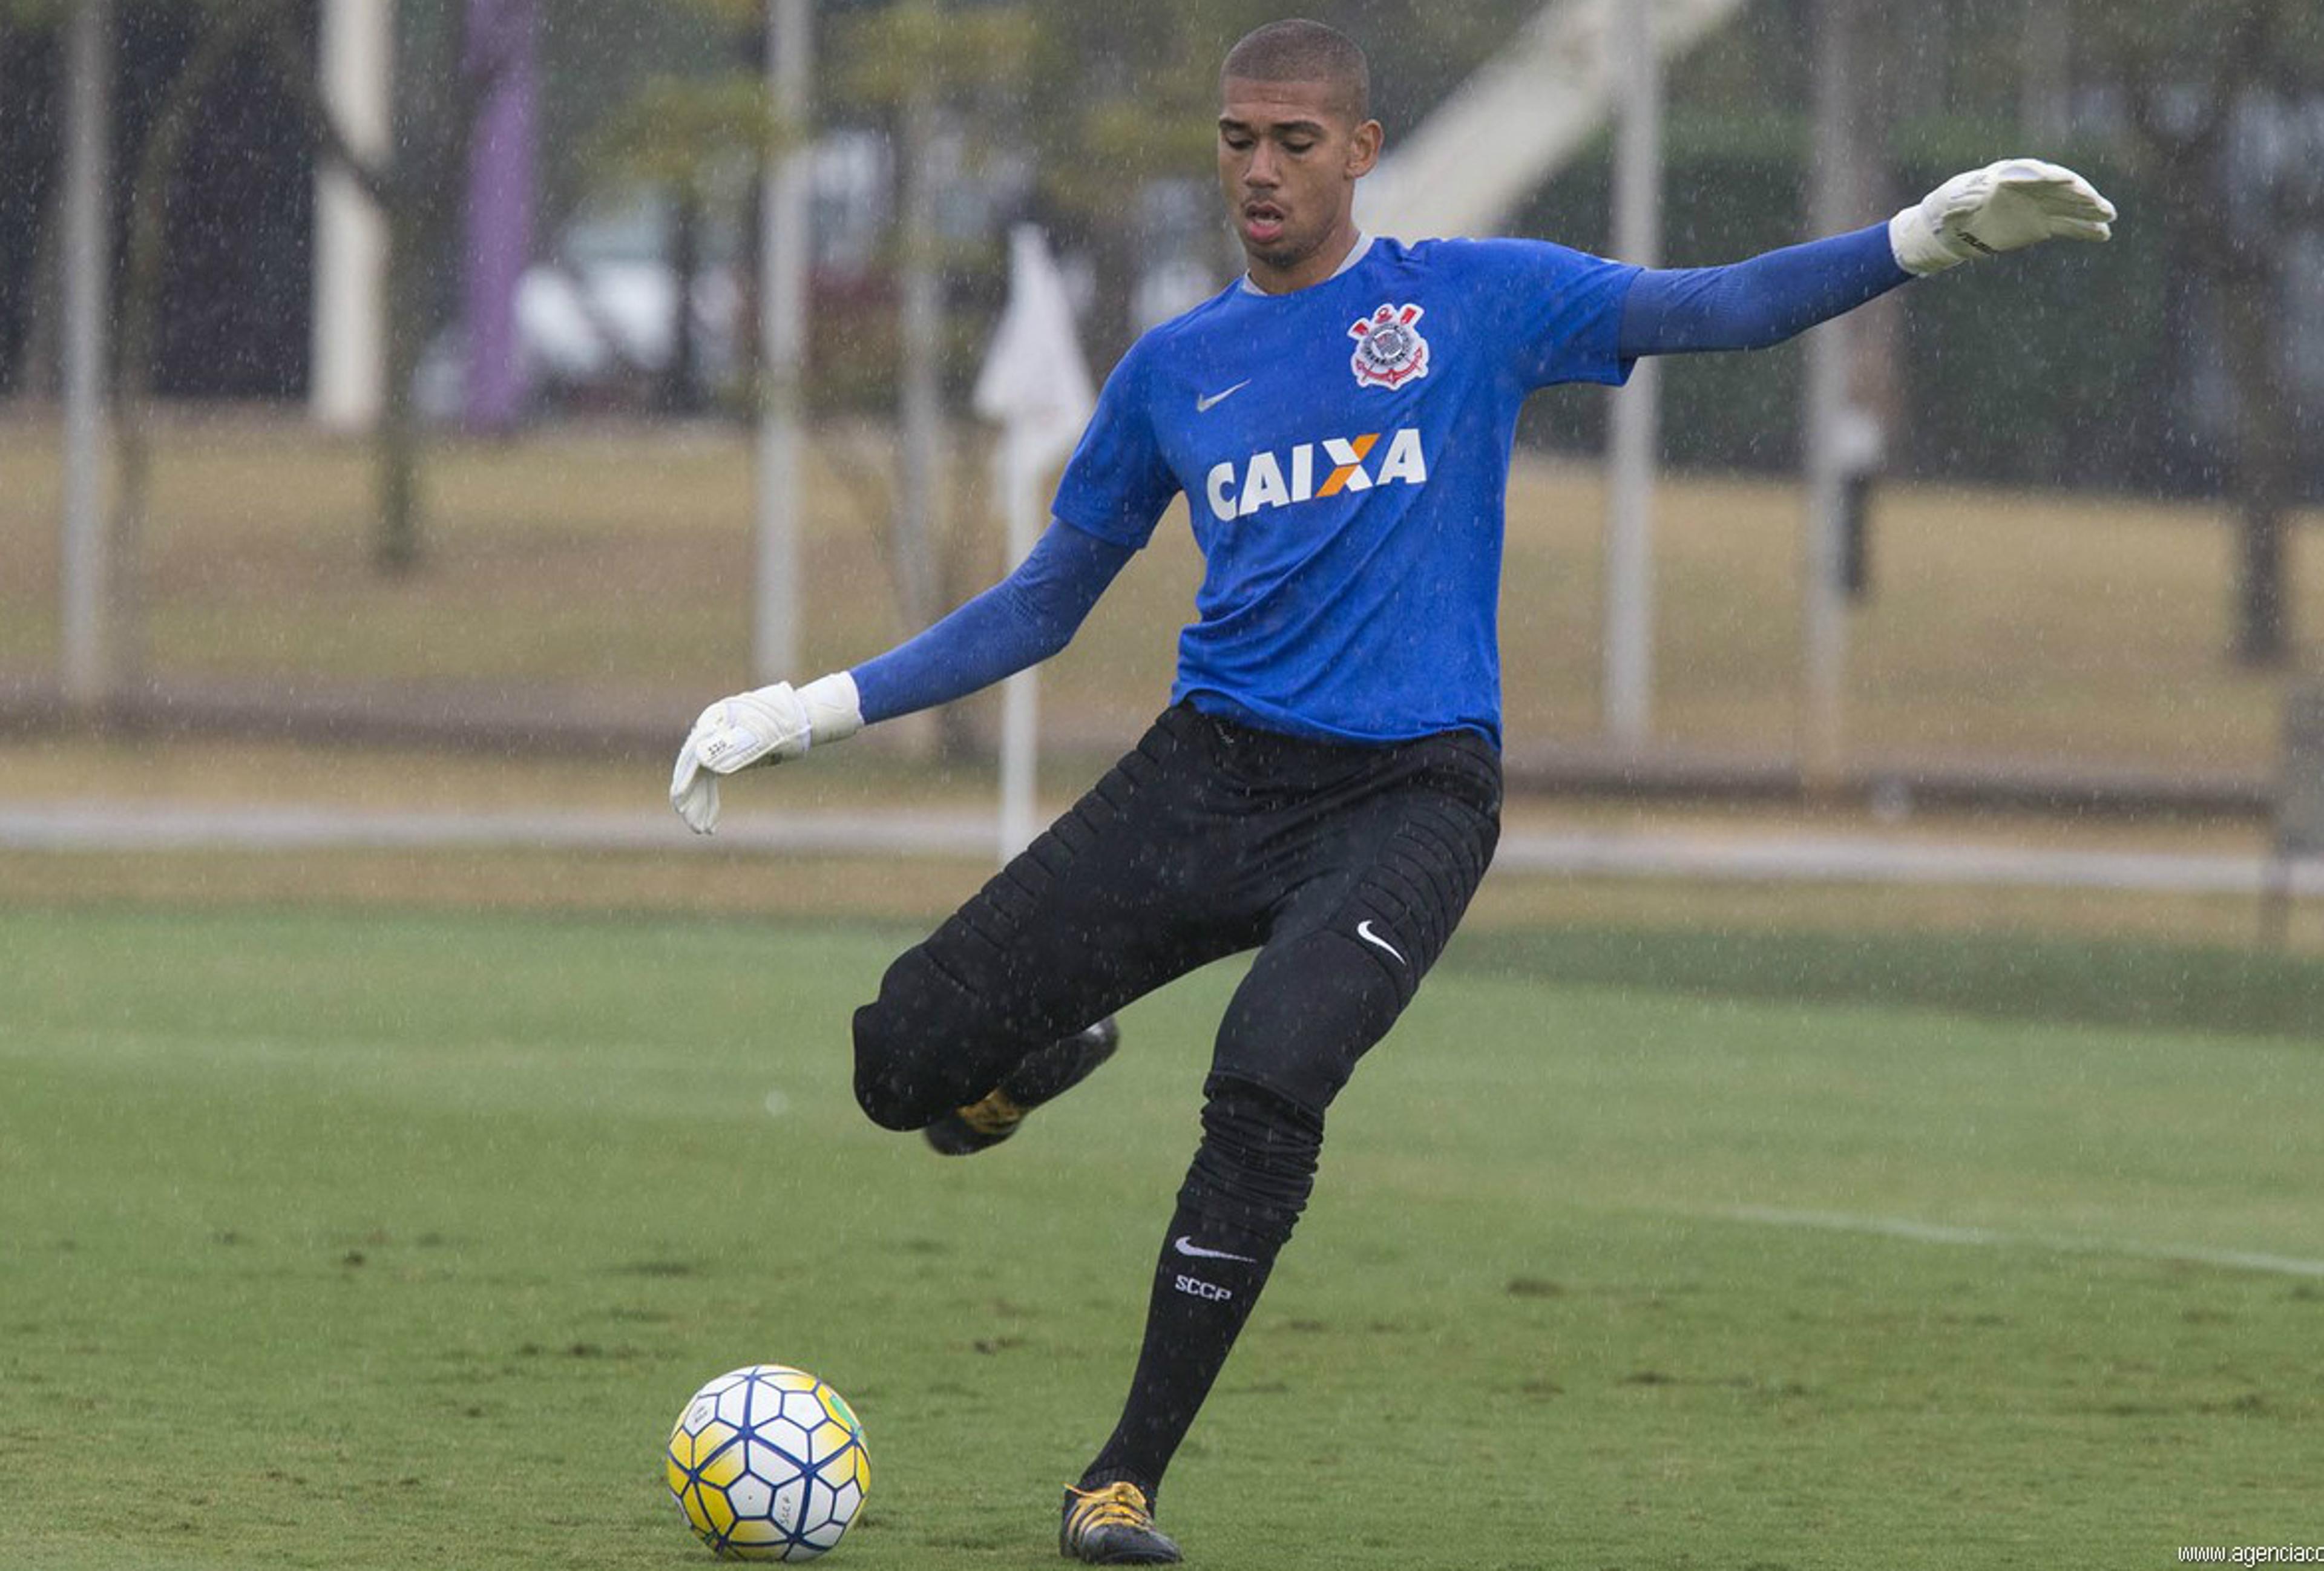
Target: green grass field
<point>363,1239</point>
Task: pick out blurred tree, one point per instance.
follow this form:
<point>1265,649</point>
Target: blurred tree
<point>29,273</point>
<point>152,169</point>
<point>599,58</point>
<point>224,30</point>
<point>936,74</point>
<point>698,127</point>
<point>2208,88</point>
<point>419,188</point>
<point>442,80</point>
<point>1120,98</point>
<point>679,135</point>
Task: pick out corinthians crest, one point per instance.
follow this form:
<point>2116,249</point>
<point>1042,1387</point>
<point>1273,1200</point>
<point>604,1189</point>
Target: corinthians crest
<point>1389,349</point>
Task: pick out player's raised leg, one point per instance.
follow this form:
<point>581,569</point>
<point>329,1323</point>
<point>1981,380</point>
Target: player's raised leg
<point>1042,1075</point>
<point>1003,996</point>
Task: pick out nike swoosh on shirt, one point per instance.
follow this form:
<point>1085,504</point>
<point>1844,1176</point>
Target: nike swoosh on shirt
<point>1364,931</point>
<point>1202,404</point>
<point>1185,1244</point>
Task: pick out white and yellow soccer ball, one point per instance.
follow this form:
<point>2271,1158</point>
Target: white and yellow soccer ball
<point>767,1462</point>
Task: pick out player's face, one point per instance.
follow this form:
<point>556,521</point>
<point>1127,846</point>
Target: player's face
<point>1289,157</point>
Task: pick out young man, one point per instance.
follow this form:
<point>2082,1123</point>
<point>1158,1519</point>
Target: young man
<point>1325,788</point>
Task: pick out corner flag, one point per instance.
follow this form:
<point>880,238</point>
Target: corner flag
<point>1037,387</point>
<point>1034,384</point>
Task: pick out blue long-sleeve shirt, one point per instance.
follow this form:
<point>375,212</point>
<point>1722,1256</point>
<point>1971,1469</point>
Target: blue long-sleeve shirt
<point>1034,611</point>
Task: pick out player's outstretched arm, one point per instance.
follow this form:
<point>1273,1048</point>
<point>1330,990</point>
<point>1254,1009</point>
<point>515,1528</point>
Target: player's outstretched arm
<point>1022,620</point>
<point>1751,305</point>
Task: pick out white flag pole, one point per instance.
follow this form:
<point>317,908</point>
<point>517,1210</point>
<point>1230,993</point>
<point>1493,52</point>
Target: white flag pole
<point>782,349</point>
<point>86,664</point>
<point>1037,386</point>
<point>1824,614</point>
<point>1020,698</point>
<point>1634,435</point>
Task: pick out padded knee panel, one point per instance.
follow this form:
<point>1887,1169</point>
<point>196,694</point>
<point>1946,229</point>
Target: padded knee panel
<point>1310,1007</point>
<point>1256,1167</point>
<point>923,1046</point>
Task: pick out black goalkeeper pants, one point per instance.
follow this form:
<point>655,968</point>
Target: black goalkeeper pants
<point>1345,866</point>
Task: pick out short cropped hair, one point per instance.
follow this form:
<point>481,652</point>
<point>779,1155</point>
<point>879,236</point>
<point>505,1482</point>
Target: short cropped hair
<point>1299,50</point>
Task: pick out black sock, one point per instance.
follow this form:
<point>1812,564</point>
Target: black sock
<point>1209,1276</point>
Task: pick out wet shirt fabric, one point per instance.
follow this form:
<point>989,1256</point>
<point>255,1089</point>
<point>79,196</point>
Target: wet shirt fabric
<point>1344,451</point>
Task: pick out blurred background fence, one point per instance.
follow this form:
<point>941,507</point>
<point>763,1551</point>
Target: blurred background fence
<point>2075,573</point>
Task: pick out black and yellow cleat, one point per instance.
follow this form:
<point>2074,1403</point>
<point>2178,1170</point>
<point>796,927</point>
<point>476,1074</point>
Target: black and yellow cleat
<point>1111,1525</point>
<point>1050,1072</point>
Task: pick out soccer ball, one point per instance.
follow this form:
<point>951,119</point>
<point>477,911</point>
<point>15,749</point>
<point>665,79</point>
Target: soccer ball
<point>767,1462</point>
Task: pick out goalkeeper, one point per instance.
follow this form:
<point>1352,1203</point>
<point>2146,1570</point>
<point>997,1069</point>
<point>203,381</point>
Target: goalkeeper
<point>1325,786</point>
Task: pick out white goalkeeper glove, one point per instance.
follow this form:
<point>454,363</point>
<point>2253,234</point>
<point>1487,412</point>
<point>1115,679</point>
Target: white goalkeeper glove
<point>765,726</point>
<point>2000,208</point>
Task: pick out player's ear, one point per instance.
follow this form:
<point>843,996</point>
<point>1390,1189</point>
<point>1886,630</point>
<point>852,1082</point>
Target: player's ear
<point>1364,149</point>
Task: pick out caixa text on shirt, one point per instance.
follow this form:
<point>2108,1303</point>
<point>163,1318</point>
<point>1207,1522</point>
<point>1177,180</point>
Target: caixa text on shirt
<point>1314,470</point>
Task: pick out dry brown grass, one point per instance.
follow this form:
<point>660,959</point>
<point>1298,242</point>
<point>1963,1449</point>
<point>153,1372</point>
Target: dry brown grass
<point>612,564</point>
<point>609,566</point>
<point>2010,627</point>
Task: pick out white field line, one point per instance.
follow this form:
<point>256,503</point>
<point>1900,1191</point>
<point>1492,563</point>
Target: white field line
<point>1986,1237</point>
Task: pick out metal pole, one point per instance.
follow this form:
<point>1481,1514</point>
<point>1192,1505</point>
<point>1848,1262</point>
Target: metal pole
<point>1823,615</point>
<point>1021,695</point>
<point>1635,69</point>
<point>357,63</point>
<point>85,666</point>
<point>782,339</point>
